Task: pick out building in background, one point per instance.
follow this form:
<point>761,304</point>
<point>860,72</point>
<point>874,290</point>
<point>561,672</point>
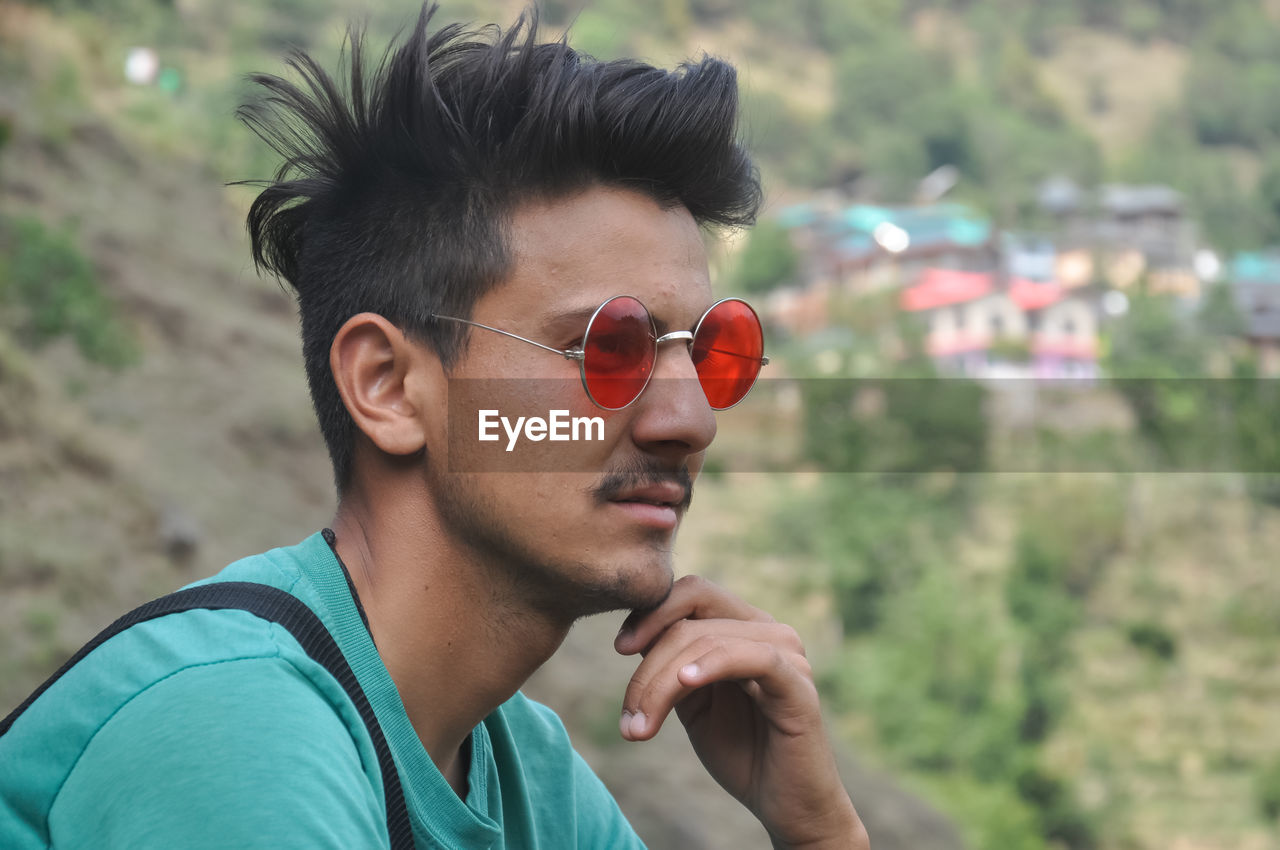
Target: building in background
<point>984,325</point>
<point>1255,282</point>
<point>1016,302</point>
<point>863,248</point>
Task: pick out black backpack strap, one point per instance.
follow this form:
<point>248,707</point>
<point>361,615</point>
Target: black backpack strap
<point>276,605</point>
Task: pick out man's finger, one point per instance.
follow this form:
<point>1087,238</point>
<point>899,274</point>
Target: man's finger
<point>784,691</point>
<point>784,688</point>
<point>691,598</point>
<point>685,640</point>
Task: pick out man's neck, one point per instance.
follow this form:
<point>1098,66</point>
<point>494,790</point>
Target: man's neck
<point>455,648</point>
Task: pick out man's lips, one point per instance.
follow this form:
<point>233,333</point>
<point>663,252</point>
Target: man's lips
<point>664,494</point>
<point>655,505</point>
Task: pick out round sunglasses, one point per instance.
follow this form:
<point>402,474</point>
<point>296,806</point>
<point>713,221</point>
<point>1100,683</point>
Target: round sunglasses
<point>618,350</point>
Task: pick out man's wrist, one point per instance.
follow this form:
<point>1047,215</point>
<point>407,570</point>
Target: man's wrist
<point>842,829</point>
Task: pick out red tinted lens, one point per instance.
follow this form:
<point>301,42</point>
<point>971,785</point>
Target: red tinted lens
<point>618,352</point>
<point>727,349</point>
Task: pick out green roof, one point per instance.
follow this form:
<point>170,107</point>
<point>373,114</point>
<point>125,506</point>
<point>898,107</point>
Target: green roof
<point>1256,267</point>
<point>937,223</point>
<point>853,225</point>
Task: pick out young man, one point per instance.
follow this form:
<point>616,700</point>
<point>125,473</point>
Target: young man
<point>490,225</point>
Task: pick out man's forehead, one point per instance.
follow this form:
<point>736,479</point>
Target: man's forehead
<point>601,222</point>
<point>572,254</point>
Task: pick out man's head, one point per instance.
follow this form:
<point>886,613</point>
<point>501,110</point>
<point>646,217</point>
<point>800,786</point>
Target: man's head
<point>483,176</point>
<point>395,197</point>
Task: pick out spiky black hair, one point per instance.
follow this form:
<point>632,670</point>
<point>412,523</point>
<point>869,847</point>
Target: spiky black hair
<point>393,192</point>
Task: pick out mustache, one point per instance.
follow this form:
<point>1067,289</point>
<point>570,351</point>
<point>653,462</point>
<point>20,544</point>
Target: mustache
<point>641,472</point>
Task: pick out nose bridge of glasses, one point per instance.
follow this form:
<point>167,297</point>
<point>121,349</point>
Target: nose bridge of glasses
<point>685,335</point>
<point>675,336</point>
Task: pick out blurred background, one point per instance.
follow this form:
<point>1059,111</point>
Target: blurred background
<point>1013,472</point>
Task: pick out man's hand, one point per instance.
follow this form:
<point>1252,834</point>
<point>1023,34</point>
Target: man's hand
<point>742,687</point>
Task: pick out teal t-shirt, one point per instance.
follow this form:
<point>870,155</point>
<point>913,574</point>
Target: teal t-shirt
<point>215,729</point>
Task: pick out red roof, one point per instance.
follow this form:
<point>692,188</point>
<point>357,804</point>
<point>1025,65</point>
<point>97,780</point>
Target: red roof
<point>1030,295</point>
<point>940,287</point>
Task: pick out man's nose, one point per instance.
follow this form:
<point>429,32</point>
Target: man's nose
<point>675,417</point>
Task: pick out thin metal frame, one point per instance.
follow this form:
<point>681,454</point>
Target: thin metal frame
<point>580,355</point>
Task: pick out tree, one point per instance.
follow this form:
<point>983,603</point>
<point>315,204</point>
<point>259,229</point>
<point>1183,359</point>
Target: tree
<point>1218,315</point>
<point>768,259</point>
<point>1269,197</point>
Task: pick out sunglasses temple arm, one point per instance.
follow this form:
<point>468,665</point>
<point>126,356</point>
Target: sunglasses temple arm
<point>568,354</point>
<point>764,360</point>
<point>688,336</point>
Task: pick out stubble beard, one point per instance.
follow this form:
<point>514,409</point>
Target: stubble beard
<point>524,578</point>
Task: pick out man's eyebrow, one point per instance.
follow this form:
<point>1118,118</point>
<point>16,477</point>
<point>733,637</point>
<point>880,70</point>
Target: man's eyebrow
<point>573,321</point>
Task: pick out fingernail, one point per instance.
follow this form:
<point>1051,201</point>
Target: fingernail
<point>625,724</point>
<point>637,724</point>
<point>690,671</point>
<point>624,635</point>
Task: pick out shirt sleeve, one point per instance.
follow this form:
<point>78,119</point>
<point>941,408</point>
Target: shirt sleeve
<point>246,753</point>
<point>601,822</point>
<point>571,806</point>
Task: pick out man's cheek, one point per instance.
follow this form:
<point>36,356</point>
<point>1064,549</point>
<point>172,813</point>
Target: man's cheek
<point>526,425</point>
<point>694,464</point>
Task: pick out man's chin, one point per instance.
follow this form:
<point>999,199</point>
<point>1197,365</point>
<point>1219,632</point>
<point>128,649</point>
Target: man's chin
<point>651,597</point>
<point>647,588</point>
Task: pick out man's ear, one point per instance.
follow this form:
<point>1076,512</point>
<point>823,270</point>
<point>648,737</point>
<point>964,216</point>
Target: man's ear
<point>386,382</point>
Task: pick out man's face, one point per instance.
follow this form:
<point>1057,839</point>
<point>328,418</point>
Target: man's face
<point>586,540</point>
